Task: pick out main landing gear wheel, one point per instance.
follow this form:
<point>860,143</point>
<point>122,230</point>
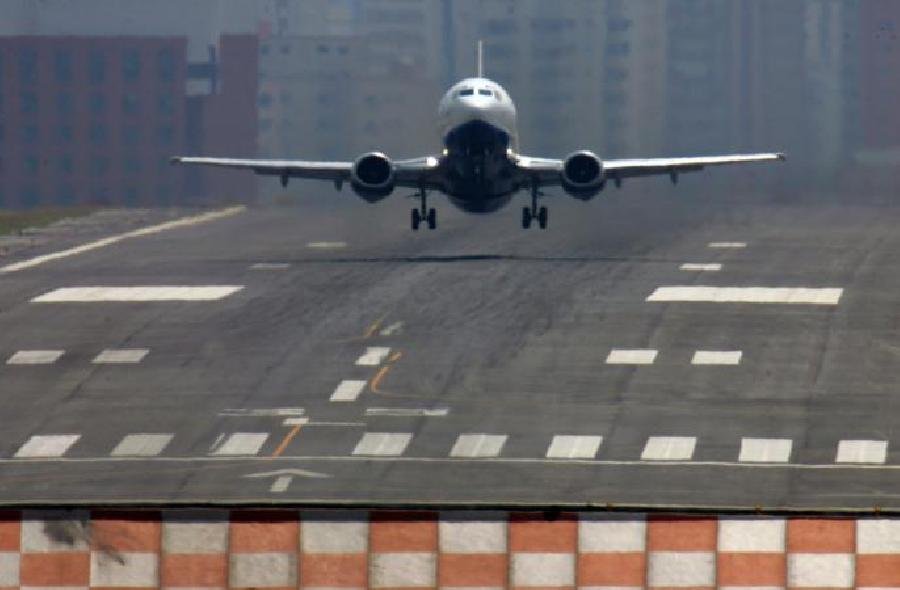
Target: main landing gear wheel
<point>526,217</point>
<point>423,213</point>
<point>416,219</point>
<point>542,217</point>
<point>529,214</point>
<point>432,218</point>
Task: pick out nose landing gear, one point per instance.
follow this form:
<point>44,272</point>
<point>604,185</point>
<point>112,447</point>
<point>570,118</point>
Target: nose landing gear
<point>417,216</point>
<point>532,213</point>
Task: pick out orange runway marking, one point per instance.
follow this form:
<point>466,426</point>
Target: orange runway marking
<point>376,380</point>
<point>374,328</point>
<point>287,440</point>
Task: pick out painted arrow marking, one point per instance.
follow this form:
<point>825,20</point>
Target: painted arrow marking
<point>284,477</point>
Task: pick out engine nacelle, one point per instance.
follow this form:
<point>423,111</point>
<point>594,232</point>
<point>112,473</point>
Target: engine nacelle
<point>582,175</point>
<point>372,176</point>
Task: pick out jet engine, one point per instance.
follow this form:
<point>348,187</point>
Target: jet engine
<point>582,175</point>
<point>372,176</point>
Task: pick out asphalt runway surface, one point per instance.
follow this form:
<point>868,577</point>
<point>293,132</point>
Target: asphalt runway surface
<point>354,361</point>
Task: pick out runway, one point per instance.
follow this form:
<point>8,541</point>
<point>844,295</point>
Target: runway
<point>651,349</point>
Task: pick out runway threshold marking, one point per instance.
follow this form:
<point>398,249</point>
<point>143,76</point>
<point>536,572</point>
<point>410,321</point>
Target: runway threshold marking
<point>348,390</point>
<point>47,445</point>
<point>144,293</point>
<point>727,245</point>
<point>408,412</point>
<point>383,443</point>
<point>35,357</point>
<point>669,448</point>
<point>121,356</point>
<point>862,451</point>
<point>242,443</point>
<point>142,445</point>
<point>765,450</point>
<point>373,356</point>
<point>270,266</point>
<point>717,357</point>
<point>478,445</point>
<point>701,266</point>
<point>618,356</point>
<point>786,295</point>
<point>564,446</point>
<point>146,231</point>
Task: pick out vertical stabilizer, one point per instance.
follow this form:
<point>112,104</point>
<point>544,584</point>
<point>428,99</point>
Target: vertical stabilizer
<point>479,59</point>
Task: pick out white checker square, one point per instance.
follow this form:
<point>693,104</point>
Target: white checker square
<point>478,445</point>
<point>669,448</point>
<point>242,443</point>
<point>35,357</point>
<point>200,531</point>
<point>38,526</point>
<point>755,534</point>
<point>820,570</point>
<point>124,569</point>
<point>481,536</point>
<point>402,570</point>
<point>717,357</point>
<point>604,535</point>
<point>324,536</point>
<point>765,450</point>
<point>142,445</point>
<point>47,445</point>
<point>121,356</point>
<point>631,357</point>
<point>877,535</point>
<point>262,570</point>
<point>9,569</point>
<point>681,568</point>
<point>348,390</point>
<point>386,444</point>
<point>564,446</point>
<point>862,451</point>
<point>542,569</point>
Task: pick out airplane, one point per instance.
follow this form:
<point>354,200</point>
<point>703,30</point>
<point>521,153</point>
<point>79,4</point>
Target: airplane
<point>480,167</point>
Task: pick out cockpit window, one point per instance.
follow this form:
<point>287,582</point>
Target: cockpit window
<point>465,92</point>
<point>484,92</point>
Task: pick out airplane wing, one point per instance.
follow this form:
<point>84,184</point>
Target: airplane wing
<point>410,173</point>
<point>548,170</point>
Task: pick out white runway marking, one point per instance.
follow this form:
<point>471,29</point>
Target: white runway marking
<point>373,356</point>
<point>727,244</point>
<point>142,445</point>
<point>326,245</point>
<point>295,421</point>
<point>392,329</point>
<point>669,448</point>
<point>383,443</point>
<point>717,357</point>
<point>35,357</point>
<point>281,484</point>
<point>862,451</point>
<point>348,390</point>
<point>407,412</point>
<point>478,445</point>
<point>262,412</point>
<point>153,229</point>
<point>566,446</point>
<point>242,443</point>
<point>121,355</point>
<point>631,357</point>
<point>270,266</point>
<point>47,445</point>
<point>701,266</point>
<point>765,450</point>
<point>147,293</point>
<point>799,295</point>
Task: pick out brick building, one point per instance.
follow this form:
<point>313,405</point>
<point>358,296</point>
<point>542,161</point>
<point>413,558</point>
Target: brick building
<point>95,119</point>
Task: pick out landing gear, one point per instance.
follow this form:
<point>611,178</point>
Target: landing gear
<point>532,213</point>
<point>429,216</point>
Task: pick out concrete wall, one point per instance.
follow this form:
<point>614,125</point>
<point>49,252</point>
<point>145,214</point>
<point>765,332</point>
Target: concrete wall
<point>317,549</point>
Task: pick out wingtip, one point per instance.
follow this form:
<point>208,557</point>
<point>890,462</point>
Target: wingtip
<point>175,160</point>
<point>781,156</point>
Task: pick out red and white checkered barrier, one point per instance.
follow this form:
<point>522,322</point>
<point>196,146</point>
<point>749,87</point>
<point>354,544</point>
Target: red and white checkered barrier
<point>399,550</point>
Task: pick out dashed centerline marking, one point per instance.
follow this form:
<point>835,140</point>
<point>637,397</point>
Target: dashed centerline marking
<point>862,451</point>
<point>478,445</point>
<point>383,443</point>
<point>727,245</point>
<point>407,412</point>
<point>669,448</point>
<point>242,443</point>
<point>326,245</point>
<point>619,356</point>
<point>565,446</point>
<point>373,356</point>
<point>141,293</point>
<point>717,357</point>
<point>765,450</point>
<point>348,390</point>
<point>270,266</point>
<point>788,295</point>
<point>35,357</point>
<point>121,356</point>
<point>47,445</point>
<point>701,266</point>
<point>142,445</point>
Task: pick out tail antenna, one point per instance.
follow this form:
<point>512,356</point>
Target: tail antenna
<point>479,59</point>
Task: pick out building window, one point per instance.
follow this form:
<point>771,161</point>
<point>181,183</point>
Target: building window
<point>29,103</point>
<point>130,104</point>
<point>131,164</point>
<point>30,133</point>
<point>98,104</point>
<point>165,104</point>
<point>64,133</point>
<point>165,64</point>
<point>96,67</point>
<point>98,134</point>
<point>64,104</point>
<point>264,49</point>
<point>131,65</point>
<point>165,134</point>
<point>65,164</point>
<point>99,165</point>
<point>32,164</point>
<point>27,66</point>
<point>131,135</point>
<point>62,66</point>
